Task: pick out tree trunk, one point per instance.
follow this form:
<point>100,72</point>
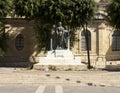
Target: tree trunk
<point>87,46</point>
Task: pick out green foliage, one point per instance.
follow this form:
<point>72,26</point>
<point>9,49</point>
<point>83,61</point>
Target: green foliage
<point>74,13</point>
<point>27,8</point>
<point>113,10</point>
<point>83,11</point>
<point>3,41</point>
<point>71,12</point>
<point>5,7</point>
<point>42,33</point>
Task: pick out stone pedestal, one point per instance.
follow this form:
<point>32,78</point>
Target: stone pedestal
<point>60,60</point>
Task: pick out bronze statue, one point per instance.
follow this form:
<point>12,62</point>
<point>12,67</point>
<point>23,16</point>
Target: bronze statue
<point>54,37</point>
<point>59,37</point>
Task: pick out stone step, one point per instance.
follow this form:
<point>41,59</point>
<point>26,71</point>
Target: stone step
<point>60,66</point>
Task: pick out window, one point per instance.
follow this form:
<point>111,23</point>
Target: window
<point>116,41</point>
<point>83,41</point>
<point>19,42</point>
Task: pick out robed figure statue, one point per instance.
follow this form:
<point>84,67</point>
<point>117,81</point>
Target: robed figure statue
<point>53,38</point>
<point>59,37</point>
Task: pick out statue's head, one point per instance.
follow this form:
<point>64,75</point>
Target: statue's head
<point>59,23</point>
<point>54,26</point>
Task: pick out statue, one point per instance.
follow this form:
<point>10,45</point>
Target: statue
<point>66,37</point>
<point>59,37</point>
<point>54,37</point>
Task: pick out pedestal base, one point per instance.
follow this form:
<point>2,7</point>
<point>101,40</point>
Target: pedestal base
<point>60,60</point>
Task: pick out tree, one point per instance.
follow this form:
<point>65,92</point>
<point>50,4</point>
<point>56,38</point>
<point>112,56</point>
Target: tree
<point>74,13</point>
<point>71,12</point>
<point>113,10</point>
<point>83,14</point>
<point>5,9</point>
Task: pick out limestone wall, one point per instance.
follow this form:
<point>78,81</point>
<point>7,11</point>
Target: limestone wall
<point>13,28</point>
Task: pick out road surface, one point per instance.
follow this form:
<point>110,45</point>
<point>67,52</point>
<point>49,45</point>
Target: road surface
<point>45,88</point>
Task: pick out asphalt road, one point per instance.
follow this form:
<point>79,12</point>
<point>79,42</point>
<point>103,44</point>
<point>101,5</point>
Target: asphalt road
<point>45,88</point>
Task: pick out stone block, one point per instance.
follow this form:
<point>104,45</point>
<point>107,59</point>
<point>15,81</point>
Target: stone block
<point>61,67</point>
<point>60,60</point>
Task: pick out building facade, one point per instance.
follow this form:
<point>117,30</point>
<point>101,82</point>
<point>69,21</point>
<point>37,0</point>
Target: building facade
<point>104,41</point>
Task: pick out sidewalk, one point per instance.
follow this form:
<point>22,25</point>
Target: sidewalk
<point>82,78</point>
